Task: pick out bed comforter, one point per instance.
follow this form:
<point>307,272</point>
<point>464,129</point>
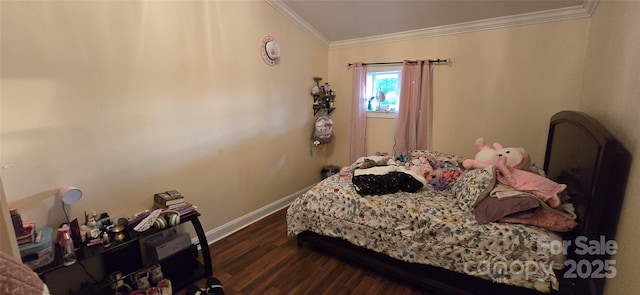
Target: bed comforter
<point>430,227</point>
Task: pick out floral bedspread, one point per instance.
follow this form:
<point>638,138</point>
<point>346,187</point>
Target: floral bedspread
<point>427,227</point>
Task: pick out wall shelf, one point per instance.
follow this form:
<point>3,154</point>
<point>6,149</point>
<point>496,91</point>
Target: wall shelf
<point>323,97</point>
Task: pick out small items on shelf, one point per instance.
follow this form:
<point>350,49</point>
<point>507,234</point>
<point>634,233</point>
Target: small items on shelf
<point>323,97</point>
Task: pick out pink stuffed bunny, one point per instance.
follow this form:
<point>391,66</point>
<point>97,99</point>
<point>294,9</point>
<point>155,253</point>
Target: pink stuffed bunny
<point>513,166</point>
<point>485,157</point>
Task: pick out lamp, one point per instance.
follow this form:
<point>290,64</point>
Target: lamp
<point>68,195</point>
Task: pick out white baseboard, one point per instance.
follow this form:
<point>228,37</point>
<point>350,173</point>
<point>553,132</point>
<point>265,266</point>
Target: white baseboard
<point>248,219</point>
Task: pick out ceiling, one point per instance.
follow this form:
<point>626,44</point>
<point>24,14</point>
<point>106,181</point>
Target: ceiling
<point>339,21</point>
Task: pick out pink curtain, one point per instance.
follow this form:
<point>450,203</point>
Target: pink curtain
<point>415,114</point>
<point>358,111</point>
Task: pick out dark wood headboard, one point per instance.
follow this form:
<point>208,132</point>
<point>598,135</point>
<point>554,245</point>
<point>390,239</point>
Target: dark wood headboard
<point>595,166</point>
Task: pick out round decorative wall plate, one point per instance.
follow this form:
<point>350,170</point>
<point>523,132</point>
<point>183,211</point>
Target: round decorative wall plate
<point>270,50</point>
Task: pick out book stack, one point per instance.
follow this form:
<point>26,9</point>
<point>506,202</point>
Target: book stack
<point>29,234</point>
<point>172,200</point>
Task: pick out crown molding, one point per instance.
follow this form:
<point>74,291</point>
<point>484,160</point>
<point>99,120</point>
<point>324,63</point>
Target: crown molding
<point>500,22</point>
<point>590,6</point>
<point>566,13</point>
<point>296,19</point>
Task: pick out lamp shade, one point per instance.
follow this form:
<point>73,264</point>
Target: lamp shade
<point>69,194</point>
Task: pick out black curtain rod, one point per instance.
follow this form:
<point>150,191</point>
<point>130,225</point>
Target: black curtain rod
<point>433,61</point>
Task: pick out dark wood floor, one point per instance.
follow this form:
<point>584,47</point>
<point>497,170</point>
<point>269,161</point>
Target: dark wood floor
<point>262,259</point>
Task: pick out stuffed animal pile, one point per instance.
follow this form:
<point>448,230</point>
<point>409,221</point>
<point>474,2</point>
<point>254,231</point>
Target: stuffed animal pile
<point>513,169</point>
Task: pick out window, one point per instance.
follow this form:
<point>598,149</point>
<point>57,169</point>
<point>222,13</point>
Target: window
<point>383,88</point>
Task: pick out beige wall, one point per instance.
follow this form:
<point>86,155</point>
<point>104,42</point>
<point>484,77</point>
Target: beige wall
<point>127,98</point>
<point>495,81</point>
<point>377,135</point>
<point>611,93</point>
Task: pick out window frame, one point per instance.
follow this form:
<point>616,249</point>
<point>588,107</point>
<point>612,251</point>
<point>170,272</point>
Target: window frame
<point>379,69</point>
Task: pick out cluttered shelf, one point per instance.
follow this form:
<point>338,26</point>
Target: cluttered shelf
<point>126,249</point>
<point>181,253</point>
<point>130,237</point>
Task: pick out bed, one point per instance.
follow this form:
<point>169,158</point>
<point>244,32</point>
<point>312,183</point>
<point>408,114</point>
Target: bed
<point>431,238</point>
<point>17,278</point>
